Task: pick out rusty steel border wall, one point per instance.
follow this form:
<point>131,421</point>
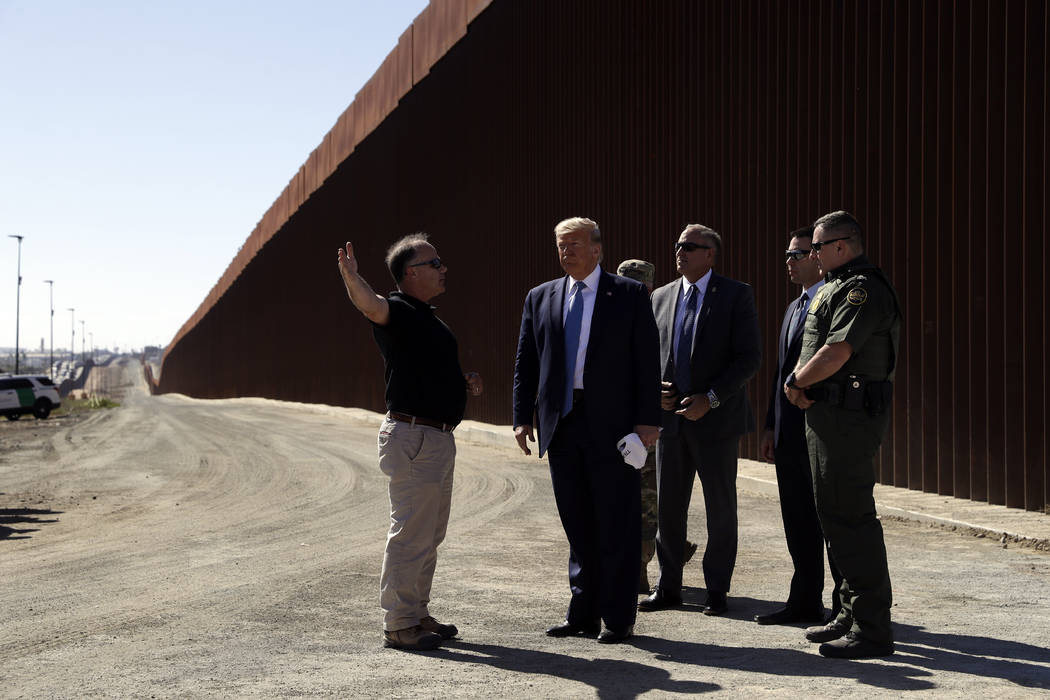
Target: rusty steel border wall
<point>440,25</point>
<point>489,122</point>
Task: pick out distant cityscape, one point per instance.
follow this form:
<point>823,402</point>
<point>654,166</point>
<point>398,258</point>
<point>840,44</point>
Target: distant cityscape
<point>37,361</point>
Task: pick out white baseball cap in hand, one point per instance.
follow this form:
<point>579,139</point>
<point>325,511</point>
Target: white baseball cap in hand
<point>632,449</point>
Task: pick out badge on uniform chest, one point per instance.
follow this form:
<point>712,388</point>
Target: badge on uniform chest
<point>818,300</point>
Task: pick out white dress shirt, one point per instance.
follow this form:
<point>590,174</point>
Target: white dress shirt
<point>701,290</point>
<point>590,293</point>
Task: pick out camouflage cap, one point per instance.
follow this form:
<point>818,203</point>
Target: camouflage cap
<point>639,270</point>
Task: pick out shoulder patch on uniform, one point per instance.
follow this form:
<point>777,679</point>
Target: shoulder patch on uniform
<point>857,296</point>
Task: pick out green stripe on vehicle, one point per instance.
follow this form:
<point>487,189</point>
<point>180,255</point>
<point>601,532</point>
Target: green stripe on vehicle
<point>26,397</point>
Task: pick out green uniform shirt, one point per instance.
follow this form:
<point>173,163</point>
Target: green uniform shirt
<point>858,306</point>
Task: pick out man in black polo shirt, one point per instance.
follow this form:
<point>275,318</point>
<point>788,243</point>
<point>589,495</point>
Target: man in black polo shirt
<point>425,396</point>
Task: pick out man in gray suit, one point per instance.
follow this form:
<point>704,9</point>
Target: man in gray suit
<point>709,348</point>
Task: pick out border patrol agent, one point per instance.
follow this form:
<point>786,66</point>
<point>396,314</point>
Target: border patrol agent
<point>844,382</point>
<point>645,272</point>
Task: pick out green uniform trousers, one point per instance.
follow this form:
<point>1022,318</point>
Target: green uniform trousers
<point>842,445</point>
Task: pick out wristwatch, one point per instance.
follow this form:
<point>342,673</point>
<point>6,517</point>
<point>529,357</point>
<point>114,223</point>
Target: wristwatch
<point>791,382</point>
<point>712,398</point>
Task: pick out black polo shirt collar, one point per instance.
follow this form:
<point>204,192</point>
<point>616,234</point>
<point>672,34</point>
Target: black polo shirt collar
<point>416,303</point>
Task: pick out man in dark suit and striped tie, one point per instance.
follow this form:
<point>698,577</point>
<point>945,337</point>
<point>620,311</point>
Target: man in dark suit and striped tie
<point>784,443</point>
<point>709,349</point>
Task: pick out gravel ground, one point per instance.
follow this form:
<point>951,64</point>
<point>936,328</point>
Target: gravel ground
<point>182,548</point>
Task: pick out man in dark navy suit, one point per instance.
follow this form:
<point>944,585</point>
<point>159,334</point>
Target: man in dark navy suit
<point>588,369</point>
<point>709,348</point>
<point>784,443</point>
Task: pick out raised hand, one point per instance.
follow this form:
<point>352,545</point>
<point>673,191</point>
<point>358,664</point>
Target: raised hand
<point>347,261</point>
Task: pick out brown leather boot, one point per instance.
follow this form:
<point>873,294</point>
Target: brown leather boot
<point>413,638</point>
<point>445,631</point>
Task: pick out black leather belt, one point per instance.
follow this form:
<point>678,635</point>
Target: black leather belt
<point>416,420</point>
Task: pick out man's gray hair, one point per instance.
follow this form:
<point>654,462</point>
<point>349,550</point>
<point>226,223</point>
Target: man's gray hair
<point>709,234</point>
<point>398,255</point>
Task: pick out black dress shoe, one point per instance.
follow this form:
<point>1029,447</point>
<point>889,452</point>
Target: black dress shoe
<point>853,647</point>
<point>826,633</point>
<point>567,629</point>
<point>717,603</point>
<point>660,599</point>
<point>612,635</point>
<point>791,616</point>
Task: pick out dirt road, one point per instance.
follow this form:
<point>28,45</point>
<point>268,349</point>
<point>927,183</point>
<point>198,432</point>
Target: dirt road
<point>174,547</point>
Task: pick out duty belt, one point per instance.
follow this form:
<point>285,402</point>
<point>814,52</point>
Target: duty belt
<point>825,393</point>
<point>854,394</point>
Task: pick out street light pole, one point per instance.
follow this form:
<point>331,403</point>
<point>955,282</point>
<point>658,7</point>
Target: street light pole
<point>83,357</point>
<point>51,353</point>
<point>91,339</point>
<point>72,334</point>
<point>18,296</point>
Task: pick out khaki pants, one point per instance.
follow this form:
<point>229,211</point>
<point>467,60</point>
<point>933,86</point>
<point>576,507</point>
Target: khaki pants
<point>419,461</point>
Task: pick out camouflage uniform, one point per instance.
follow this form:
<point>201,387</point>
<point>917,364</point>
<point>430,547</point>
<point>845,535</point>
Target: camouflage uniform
<point>649,515</point>
<point>644,272</point>
<point>638,270</point>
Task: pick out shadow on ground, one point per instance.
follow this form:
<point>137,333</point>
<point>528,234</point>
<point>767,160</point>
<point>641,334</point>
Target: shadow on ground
<point>740,607</point>
<point>921,655</point>
<point>609,677</point>
<point>17,516</point>
<point>986,657</point>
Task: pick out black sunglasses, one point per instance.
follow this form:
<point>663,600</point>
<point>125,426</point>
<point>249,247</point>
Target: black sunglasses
<point>689,247</point>
<point>796,255</point>
<point>433,262</point>
<point>817,245</point>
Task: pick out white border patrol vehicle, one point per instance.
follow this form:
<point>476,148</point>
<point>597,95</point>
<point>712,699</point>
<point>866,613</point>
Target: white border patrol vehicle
<point>27,393</point>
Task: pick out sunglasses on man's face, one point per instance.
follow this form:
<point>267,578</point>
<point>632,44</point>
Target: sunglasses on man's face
<point>796,254</point>
<point>689,247</point>
<point>817,245</point>
<point>433,262</point>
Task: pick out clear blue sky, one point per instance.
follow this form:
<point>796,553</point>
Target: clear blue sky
<point>141,142</point>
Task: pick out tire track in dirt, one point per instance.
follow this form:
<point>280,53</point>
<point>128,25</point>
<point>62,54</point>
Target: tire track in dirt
<point>220,508</point>
<point>227,500</point>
